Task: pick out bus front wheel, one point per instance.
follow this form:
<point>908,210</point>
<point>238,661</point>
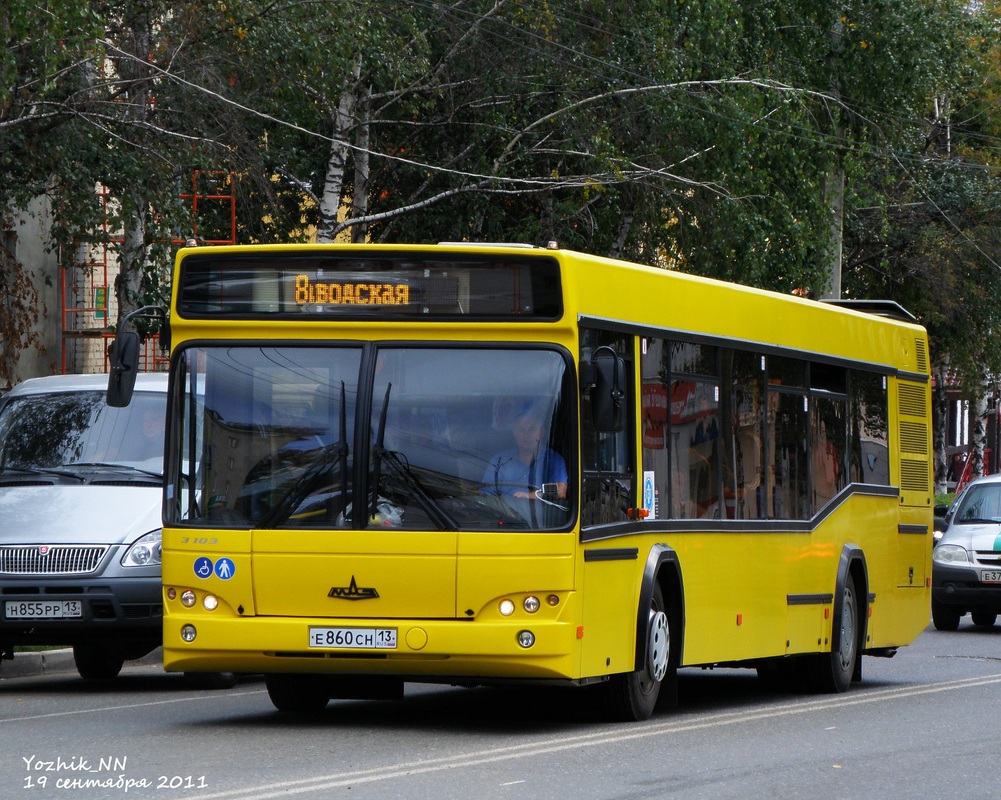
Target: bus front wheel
<point>298,694</point>
<point>632,696</point>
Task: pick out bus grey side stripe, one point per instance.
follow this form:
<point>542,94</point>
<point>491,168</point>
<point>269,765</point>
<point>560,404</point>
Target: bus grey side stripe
<point>612,554</point>
<point>809,599</point>
<point>919,529</point>
<point>616,530</point>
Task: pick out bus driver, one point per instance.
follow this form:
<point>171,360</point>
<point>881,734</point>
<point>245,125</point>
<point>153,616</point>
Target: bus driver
<point>522,470</point>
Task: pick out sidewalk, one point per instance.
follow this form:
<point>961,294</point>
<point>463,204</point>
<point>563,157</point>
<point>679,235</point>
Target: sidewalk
<point>57,662</point>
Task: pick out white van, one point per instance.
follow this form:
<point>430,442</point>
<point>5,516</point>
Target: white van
<point>80,516</point>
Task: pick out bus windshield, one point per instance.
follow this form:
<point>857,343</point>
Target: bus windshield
<point>356,436</point>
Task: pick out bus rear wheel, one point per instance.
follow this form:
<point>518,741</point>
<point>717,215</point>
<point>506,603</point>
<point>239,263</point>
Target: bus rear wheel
<point>833,671</point>
<point>632,696</point>
<point>298,694</point>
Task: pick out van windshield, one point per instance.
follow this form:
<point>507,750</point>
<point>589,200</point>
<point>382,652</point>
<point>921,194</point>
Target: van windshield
<point>52,431</point>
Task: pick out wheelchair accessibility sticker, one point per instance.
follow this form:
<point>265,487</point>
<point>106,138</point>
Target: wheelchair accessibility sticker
<point>203,567</point>
<point>224,568</point>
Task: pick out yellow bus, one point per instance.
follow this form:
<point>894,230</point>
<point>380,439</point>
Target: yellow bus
<point>480,464</point>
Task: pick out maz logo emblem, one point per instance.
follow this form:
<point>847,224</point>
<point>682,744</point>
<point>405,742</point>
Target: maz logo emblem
<point>352,592</point>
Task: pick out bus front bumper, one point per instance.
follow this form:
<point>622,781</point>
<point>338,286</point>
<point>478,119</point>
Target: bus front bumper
<point>421,649</point>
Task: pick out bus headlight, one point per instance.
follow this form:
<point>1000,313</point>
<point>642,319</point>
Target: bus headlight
<point>526,639</point>
<point>144,552</point>
<point>506,608</point>
<point>531,604</point>
<point>188,633</point>
<point>188,598</point>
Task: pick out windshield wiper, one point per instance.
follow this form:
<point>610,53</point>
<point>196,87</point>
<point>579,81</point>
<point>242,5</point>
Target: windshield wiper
<point>379,454</point>
<point>112,465</point>
<point>42,471</point>
<point>342,454</point>
<point>318,470</point>
<point>431,506</point>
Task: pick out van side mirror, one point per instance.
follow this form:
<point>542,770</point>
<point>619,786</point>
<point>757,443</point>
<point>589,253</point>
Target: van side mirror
<point>608,390</point>
<point>124,357</point>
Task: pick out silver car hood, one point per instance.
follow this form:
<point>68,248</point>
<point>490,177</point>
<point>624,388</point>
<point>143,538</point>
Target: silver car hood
<point>83,514</point>
<point>984,537</point>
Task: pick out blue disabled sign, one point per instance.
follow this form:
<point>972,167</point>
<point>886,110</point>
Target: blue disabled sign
<point>203,567</point>
<point>224,568</point>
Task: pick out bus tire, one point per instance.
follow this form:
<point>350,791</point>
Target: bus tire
<point>833,671</point>
<point>298,694</point>
<point>632,696</point>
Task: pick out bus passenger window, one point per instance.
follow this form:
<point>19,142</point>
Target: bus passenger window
<point>742,457</point>
<point>869,460</point>
<point>694,402</point>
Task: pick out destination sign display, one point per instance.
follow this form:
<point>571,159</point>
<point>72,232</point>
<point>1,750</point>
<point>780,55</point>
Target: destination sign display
<point>252,283</point>
<point>358,293</point>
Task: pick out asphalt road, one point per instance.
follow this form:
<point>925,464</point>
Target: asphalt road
<point>922,724</point>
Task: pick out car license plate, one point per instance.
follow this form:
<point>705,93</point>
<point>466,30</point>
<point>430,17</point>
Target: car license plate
<point>990,576</point>
<point>43,609</point>
<point>353,638</point>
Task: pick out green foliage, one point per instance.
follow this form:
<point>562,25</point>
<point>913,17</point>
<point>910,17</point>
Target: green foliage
<point>694,134</point>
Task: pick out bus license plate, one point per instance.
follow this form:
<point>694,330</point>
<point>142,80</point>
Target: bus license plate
<point>43,609</point>
<point>990,576</point>
<point>353,638</point>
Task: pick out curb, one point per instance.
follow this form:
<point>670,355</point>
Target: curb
<point>59,662</point>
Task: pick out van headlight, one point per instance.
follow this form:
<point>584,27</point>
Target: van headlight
<point>951,554</point>
<point>145,551</point>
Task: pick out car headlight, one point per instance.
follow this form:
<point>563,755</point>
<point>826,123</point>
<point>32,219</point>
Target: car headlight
<point>951,554</point>
<point>145,551</point>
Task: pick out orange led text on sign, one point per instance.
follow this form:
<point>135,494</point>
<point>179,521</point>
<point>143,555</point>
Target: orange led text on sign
<point>307,292</point>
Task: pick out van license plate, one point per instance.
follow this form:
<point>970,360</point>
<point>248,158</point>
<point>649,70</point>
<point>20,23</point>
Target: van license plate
<point>990,576</point>
<point>353,638</point>
<point>43,609</point>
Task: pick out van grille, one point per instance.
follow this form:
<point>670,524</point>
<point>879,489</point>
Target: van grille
<point>55,560</point>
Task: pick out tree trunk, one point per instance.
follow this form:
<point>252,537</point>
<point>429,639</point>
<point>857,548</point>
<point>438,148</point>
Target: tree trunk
<point>978,436</point>
<point>940,422</point>
<point>834,200</point>
<point>359,202</point>
<point>333,182</point>
<point>131,264</point>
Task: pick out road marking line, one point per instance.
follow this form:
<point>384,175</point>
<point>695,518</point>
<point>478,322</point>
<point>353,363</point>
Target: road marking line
<point>617,735</point>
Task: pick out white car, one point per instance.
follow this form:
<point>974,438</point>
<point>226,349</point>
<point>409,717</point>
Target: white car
<point>80,516</point>
<point>966,562</point>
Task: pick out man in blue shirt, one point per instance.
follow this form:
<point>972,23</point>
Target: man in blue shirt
<point>522,470</point>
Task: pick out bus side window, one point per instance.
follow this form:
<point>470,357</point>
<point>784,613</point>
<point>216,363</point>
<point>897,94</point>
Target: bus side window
<point>607,458</point>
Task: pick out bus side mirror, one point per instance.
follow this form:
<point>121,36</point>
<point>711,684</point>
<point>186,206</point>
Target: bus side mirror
<point>124,357</point>
<point>608,391</point>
